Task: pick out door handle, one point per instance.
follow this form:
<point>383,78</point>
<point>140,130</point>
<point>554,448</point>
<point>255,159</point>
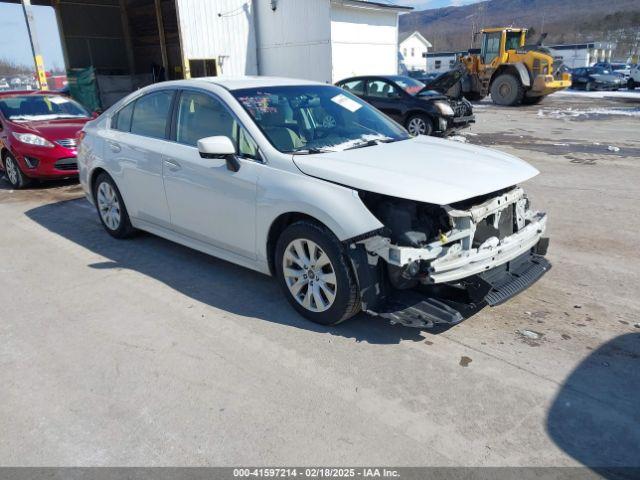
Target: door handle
<point>115,148</point>
<point>172,165</point>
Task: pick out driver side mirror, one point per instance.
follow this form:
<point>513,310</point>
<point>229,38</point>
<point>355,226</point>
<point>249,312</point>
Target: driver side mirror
<point>219,147</point>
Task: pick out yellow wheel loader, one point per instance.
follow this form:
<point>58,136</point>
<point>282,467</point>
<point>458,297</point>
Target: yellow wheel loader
<point>511,71</point>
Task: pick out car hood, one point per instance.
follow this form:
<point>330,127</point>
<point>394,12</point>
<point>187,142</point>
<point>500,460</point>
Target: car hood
<point>443,82</point>
<point>53,129</point>
<point>425,169</point>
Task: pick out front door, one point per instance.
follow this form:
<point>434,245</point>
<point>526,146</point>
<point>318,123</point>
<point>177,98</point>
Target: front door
<point>207,201</point>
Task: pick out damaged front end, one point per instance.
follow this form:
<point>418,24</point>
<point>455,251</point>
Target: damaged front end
<point>435,264</point>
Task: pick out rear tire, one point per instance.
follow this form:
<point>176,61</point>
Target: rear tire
<point>14,174</point>
<point>111,208</point>
<point>506,90</point>
<point>315,274</point>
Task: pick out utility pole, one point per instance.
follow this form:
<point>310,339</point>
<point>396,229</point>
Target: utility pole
<point>35,47</point>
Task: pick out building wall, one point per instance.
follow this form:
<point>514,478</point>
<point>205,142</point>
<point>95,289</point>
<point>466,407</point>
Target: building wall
<point>294,39</point>
<point>413,52</point>
<point>363,42</point>
<point>223,30</point>
<point>440,63</point>
<point>574,58</point>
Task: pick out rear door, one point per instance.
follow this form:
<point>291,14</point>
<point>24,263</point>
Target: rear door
<point>134,146</point>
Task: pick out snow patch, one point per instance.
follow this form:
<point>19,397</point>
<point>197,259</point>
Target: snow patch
<point>570,112</point>
<point>601,94</point>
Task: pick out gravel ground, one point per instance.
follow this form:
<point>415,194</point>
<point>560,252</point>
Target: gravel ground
<point>143,352</point>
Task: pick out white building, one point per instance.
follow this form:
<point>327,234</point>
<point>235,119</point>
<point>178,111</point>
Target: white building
<point>413,49</point>
<point>134,42</point>
<point>583,54</point>
<point>438,62</point>
<point>327,40</point>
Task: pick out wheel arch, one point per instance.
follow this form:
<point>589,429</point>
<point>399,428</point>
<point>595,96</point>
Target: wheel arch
<point>3,152</point>
<point>518,70</point>
<point>278,226</point>
<point>93,176</point>
<point>432,116</point>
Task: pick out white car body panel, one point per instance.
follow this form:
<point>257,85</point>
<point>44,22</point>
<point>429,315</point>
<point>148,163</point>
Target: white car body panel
<point>425,169</point>
<point>169,190</point>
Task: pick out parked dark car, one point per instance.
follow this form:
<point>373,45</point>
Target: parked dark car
<point>595,78</point>
<point>422,110</point>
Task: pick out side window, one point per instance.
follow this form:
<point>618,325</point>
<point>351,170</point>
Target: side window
<point>246,147</point>
<point>200,116</point>
<point>355,86</point>
<point>382,89</point>
<point>491,46</point>
<point>151,114</point>
<point>122,120</point>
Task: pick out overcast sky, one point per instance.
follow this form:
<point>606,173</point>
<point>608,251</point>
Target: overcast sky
<point>15,46</point>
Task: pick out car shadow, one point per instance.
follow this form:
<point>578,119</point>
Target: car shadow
<point>201,277</point>
<point>595,416</point>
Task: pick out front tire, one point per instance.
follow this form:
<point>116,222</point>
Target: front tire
<point>631,84</point>
<point>315,274</point>
<point>16,178</point>
<point>506,90</point>
<point>111,209</point>
<point>419,125</point>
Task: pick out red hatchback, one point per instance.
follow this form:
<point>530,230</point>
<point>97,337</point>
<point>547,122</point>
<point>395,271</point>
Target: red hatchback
<point>38,135</point>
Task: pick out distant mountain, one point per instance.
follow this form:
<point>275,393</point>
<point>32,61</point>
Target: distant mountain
<point>568,21</point>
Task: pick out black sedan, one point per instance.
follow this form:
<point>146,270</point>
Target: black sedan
<point>595,78</point>
<point>413,104</point>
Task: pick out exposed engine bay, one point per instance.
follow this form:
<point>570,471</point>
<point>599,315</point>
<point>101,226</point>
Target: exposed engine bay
<point>425,245</point>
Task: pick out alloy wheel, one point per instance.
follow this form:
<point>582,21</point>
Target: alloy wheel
<point>108,206</point>
<point>12,171</point>
<point>309,275</point>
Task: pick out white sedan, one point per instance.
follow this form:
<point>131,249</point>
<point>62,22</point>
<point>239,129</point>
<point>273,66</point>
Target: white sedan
<point>308,183</point>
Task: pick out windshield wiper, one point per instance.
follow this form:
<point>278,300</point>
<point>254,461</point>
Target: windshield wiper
<point>368,143</point>
<point>309,151</point>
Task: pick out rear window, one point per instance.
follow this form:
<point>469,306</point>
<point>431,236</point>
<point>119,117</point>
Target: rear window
<point>354,86</point>
<point>151,114</point>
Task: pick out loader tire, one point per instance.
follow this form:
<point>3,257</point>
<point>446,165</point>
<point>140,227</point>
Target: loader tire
<point>507,90</point>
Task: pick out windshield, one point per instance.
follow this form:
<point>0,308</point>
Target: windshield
<point>41,107</point>
<point>409,85</point>
<point>316,118</point>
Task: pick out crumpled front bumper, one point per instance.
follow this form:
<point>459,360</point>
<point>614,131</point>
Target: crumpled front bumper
<point>452,257</point>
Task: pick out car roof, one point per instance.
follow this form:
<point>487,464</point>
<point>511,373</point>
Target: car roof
<point>391,78</point>
<point>12,93</point>
<point>238,83</point>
